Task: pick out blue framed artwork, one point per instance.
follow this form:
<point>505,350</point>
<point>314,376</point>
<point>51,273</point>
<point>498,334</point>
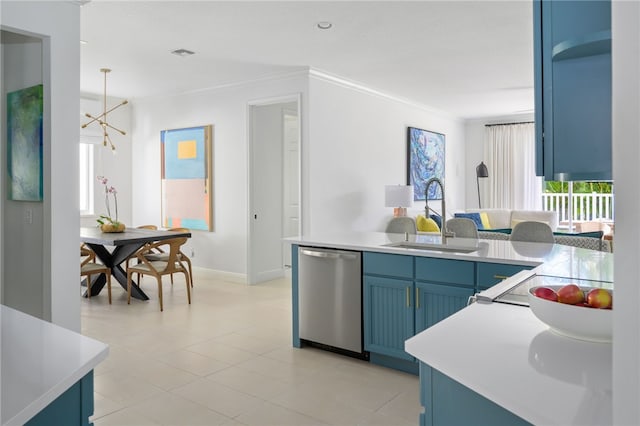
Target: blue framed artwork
<point>186,157</point>
<point>425,159</point>
<point>24,143</point>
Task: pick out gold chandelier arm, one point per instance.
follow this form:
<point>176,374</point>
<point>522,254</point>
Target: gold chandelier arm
<point>114,128</point>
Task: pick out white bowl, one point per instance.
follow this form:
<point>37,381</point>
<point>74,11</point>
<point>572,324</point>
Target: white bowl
<point>578,322</point>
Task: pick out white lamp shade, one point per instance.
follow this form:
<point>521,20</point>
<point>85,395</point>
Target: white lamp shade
<point>398,195</point>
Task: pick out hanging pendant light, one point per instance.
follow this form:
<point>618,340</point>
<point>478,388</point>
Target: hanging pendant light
<point>102,118</point>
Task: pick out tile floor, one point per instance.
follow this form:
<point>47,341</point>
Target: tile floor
<point>227,360</point>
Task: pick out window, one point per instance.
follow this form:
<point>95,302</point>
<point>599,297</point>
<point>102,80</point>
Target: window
<point>579,201</point>
<point>86,178</point>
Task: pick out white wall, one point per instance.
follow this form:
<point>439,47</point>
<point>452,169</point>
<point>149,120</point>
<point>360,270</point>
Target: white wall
<point>58,23</point>
<point>224,249</point>
<point>357,145</point>
<point>474,146</point>
<point>353,144</point>
<point>626,156</point>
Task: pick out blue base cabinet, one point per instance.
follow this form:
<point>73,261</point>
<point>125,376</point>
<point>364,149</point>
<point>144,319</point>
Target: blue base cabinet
<point>72,408</point>
<point>447,402</point>
<point>404,295</point>
<point>388,315</point>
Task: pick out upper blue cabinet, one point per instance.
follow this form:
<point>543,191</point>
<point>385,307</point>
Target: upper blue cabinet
<point>572,58</point>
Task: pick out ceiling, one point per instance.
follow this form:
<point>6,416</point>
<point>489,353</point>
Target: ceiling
<point>468,58</point>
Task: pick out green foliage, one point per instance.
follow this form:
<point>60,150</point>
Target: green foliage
<point>579,187</point>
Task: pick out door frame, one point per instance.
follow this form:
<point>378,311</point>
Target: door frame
<point>297,98</point>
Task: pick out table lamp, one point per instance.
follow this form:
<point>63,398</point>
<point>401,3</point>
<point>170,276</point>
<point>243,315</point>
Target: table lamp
<point>399,197</point>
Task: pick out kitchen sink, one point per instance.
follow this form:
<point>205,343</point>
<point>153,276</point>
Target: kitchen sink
<point>433,247</point>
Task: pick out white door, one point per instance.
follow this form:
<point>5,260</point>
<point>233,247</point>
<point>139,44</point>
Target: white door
<point>273,176</point>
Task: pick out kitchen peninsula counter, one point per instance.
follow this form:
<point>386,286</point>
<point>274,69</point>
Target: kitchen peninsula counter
<point>503,352</point>
<point>41,362</point>
<point>549,259</point>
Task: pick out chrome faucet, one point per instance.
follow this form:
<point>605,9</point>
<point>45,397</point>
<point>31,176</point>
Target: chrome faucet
<point>443,228</point>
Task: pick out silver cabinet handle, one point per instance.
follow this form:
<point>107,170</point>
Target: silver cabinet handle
<point>328,254</point>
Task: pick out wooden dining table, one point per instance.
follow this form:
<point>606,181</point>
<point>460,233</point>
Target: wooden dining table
<point>113,249</point>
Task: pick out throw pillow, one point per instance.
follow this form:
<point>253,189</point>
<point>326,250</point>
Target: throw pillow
<point>426,224</point>
<point>484,217</point>
<point>437,219</point>
<point>473,216</point>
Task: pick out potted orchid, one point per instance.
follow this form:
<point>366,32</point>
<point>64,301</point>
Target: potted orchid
<point>106,222</point>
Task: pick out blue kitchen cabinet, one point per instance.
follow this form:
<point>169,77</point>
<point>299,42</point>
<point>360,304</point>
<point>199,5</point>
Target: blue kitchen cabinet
<point>388,315</point>
<point>447,402</point>
<point>490,274</point>
<point>435,302</point>
<point>572,80</point>
<point>404,295</point>
<point>73,407</point>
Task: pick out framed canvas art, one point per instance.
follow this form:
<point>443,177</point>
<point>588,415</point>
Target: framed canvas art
<point>425,159</point>
<point>187,178</point>
<point>24,143</point>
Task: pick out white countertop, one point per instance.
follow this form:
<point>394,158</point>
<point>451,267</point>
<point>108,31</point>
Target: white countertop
<point>506,354</point>
<point>553,259</point>
<point>40,361</point>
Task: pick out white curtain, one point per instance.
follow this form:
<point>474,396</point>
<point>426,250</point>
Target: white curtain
<point>509,151</point>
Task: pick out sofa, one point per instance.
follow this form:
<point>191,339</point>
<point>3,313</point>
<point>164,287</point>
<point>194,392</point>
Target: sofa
<point>507,218</point>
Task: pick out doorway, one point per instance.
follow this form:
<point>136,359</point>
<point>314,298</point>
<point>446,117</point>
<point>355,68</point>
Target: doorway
<point>274,186</point>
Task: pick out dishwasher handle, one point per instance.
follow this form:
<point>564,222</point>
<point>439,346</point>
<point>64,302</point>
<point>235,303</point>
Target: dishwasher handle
<point>329,254</point>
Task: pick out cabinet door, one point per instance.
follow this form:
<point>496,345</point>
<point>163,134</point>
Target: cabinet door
<point>435,302</point>
<point>387,315</point>
<point>490,274</point>
<point>572,51</point>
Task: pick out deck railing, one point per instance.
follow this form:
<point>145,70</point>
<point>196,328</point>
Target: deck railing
<point>585,207</point>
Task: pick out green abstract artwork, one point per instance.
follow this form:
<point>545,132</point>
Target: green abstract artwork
<point>24,143</point>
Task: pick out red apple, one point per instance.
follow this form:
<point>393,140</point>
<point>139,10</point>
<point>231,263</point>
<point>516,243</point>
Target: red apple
<point>546,293</point>
<point>599,298</point>
<point>570,294</point>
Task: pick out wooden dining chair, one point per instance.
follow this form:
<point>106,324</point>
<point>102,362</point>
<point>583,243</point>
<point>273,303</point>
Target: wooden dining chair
<point>133,256</point>
<point>163,256</point>
<point>160,268</point>
<point>89,267</point>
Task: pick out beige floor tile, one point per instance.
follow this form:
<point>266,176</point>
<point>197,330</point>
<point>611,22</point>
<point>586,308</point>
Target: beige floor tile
<point>251,383</point>
<point>217,397</point>
<point>163,375</point>
<point>213,349</point>
<point>405,405</point>
<point>257,345</point>
<point>170,409</point>
<point>124,388</point>
<point>192,362</point>
<point>268,414</point>
<point>104,406</point>
<point>125,417</point>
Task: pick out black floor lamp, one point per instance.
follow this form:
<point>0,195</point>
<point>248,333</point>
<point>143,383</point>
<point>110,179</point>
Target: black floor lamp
<point>481,172</point>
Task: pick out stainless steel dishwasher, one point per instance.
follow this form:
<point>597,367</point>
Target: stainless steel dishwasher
<point>330,297</point>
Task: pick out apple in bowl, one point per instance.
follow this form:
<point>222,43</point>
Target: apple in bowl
<point>580,320</point>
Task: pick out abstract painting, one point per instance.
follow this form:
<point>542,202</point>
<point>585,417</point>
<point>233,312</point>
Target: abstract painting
<point>24,143</point>
<point>425,160</point>
<point>187,178</point>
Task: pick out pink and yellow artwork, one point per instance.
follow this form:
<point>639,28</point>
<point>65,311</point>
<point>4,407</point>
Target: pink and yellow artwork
<point>187,159</point>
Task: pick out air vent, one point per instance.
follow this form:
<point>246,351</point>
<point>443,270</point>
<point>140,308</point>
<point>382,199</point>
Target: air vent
<point>182,52</point>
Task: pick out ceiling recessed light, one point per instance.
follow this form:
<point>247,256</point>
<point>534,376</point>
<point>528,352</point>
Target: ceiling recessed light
<point>183,52</point>
<point>325,25</point>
